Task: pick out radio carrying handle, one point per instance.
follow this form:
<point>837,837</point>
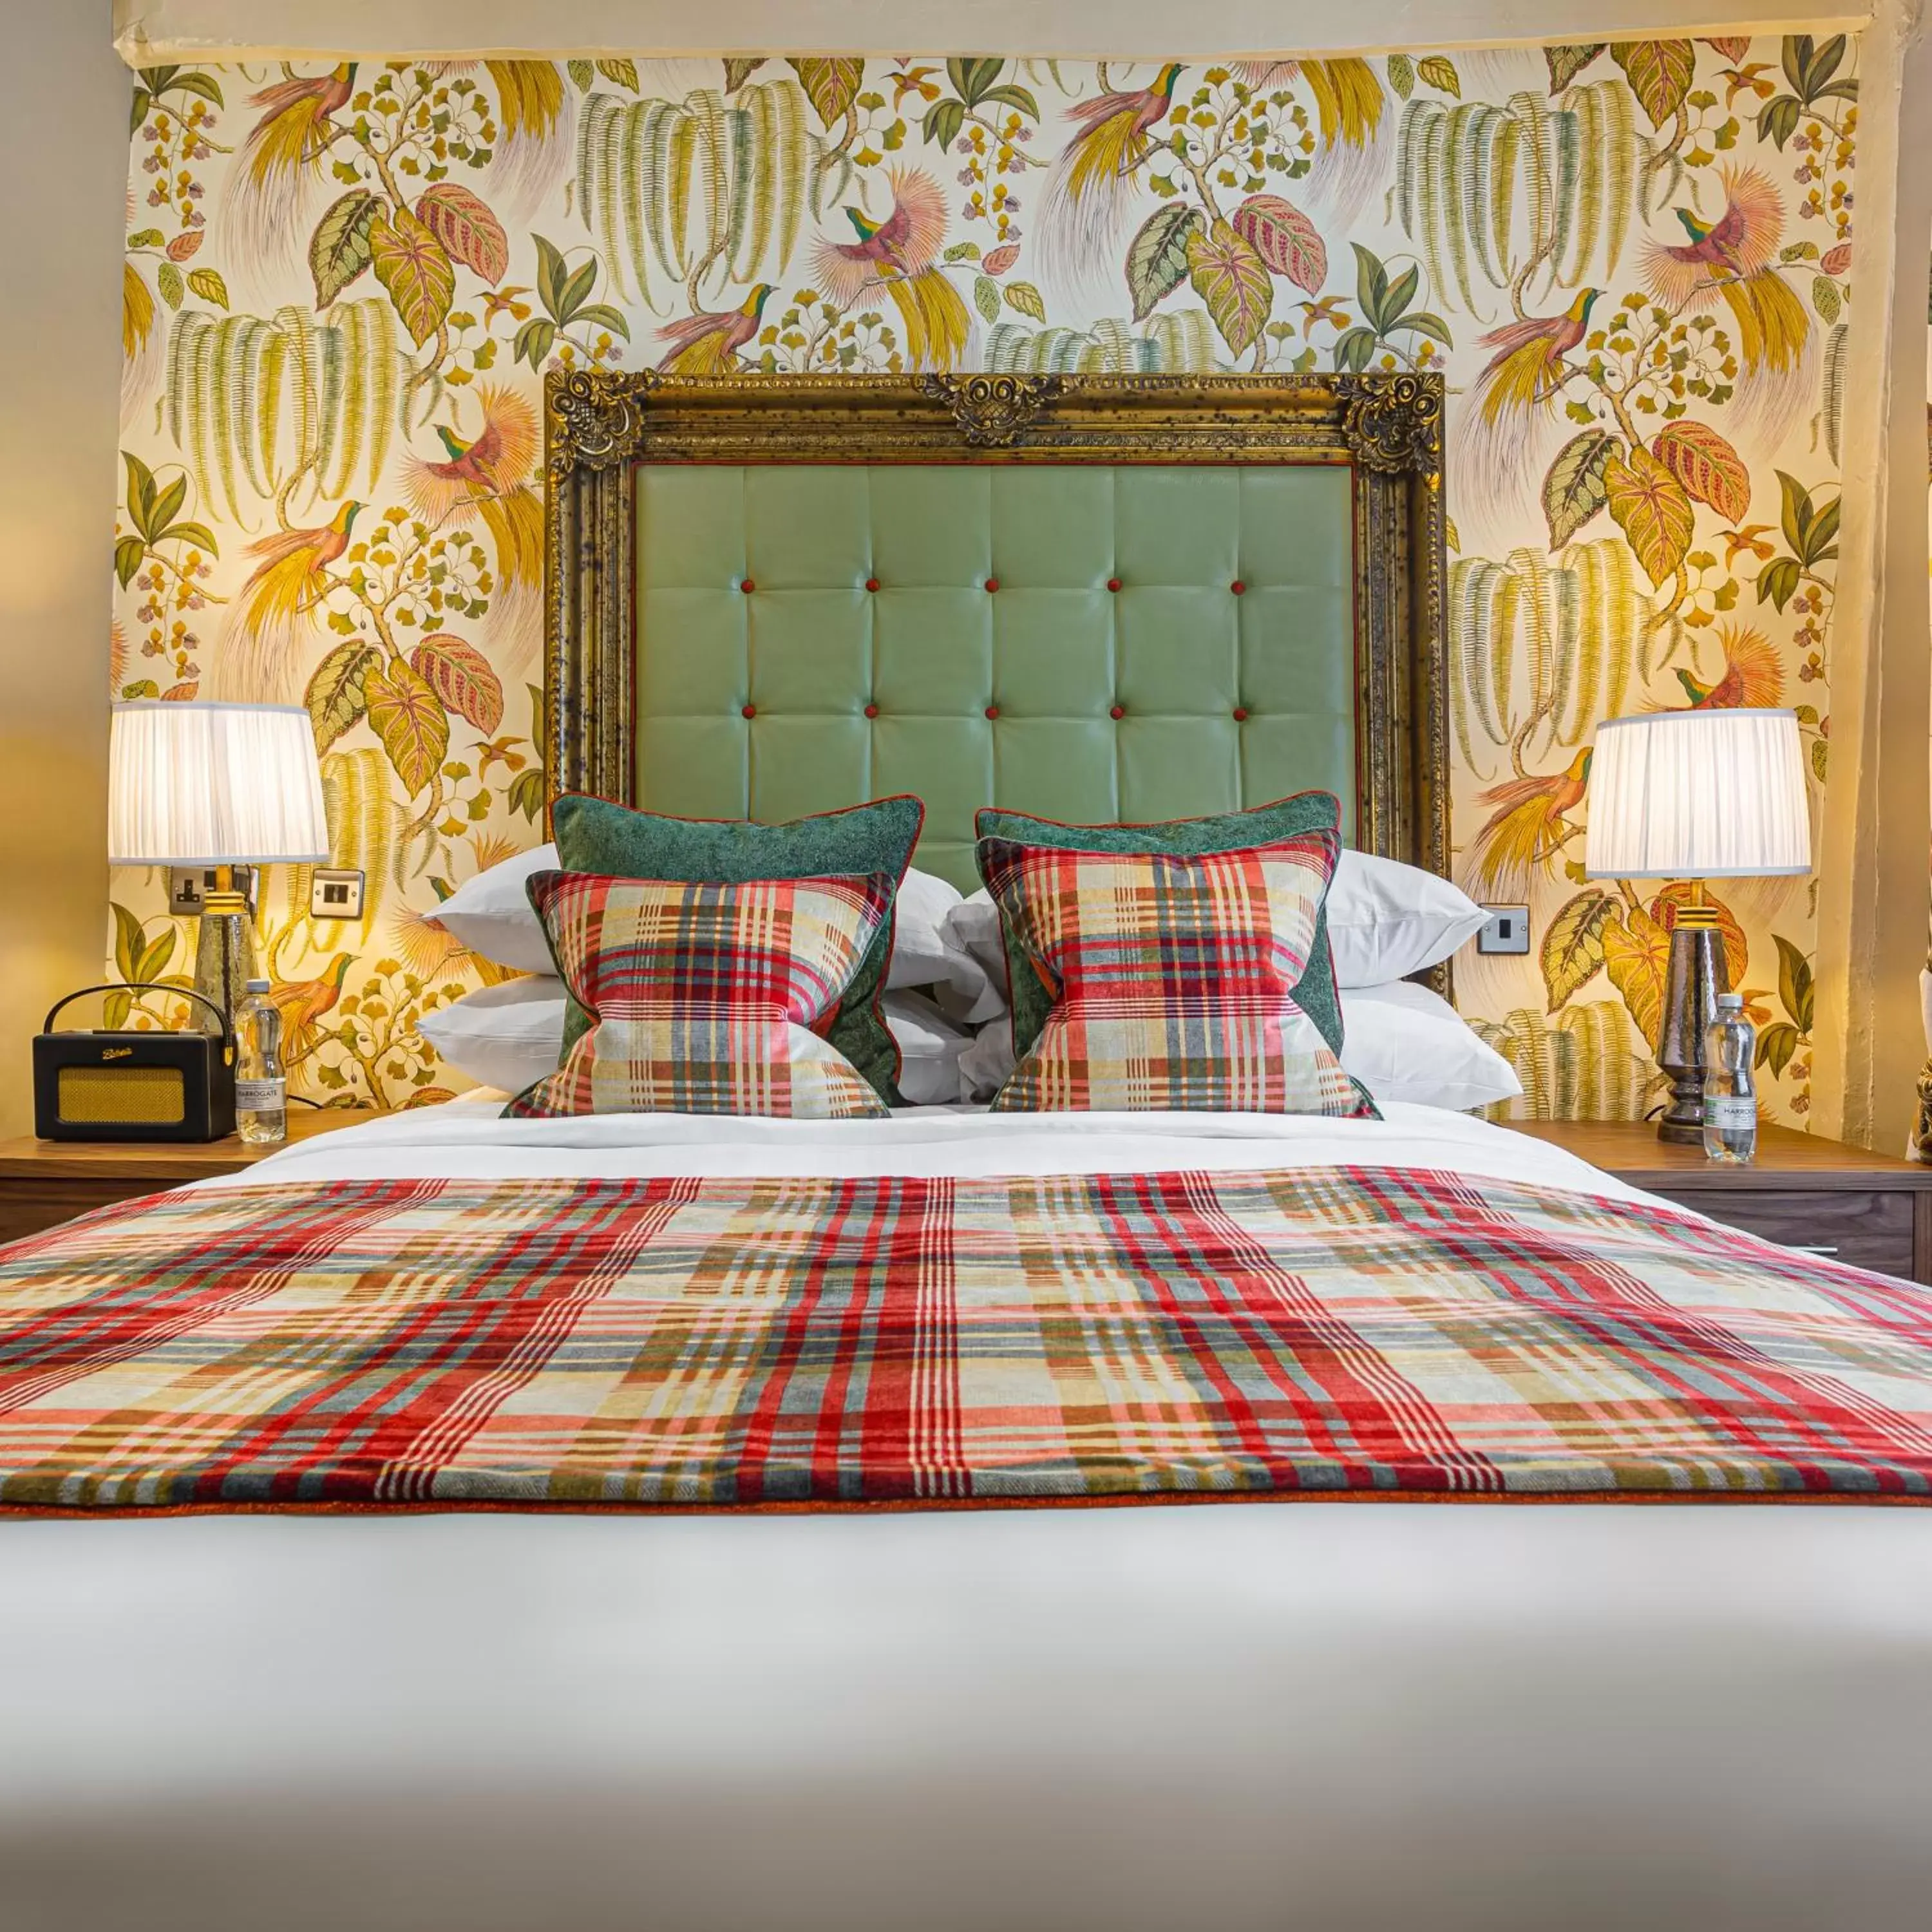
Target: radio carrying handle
<point>138,986</point>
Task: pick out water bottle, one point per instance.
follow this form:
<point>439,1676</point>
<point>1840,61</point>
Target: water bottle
<point>1730,1085</point>
<point>261,1092</point>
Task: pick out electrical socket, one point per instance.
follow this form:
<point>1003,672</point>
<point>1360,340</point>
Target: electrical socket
<point>189,885</point>
<point>1508,930</point>
<point>335,892</point>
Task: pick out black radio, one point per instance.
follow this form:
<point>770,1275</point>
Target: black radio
<point>109,1086</point>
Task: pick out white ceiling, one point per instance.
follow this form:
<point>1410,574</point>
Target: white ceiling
<point>147,31</point>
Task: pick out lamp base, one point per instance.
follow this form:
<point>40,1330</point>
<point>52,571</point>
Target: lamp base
<point>224,958</point>
<point>1697,976</point>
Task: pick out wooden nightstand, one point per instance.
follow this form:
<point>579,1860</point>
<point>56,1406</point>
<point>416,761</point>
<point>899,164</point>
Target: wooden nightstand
<point>43,1182</point>
<point>1802,1192</point>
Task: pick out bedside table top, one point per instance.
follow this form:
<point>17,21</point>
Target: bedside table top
<point>27,1159</point>
<point>1787,1159</point>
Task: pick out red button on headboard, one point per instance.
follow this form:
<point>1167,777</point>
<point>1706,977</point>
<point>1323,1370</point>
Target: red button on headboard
<point>1238,586</point>
<point>1241,715</point>
<point>749,711</point>
<point>872,583</point>
<point>747,586</point>
<point>1113,584</point>
<point>992,583</point>
<point>1119,711</point>
<point>992,711</point>
<point>871,711</point>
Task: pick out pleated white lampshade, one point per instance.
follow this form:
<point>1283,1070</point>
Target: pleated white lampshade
<point>1698,795</point>
<point>213,784</point>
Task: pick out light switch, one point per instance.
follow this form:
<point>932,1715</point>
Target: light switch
<point>335,893</point>
<point>1508,930</point>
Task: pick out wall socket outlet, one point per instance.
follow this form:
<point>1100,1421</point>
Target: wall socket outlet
<point>1508,930</point>
<point>335,892</point>
<point>189,885</point>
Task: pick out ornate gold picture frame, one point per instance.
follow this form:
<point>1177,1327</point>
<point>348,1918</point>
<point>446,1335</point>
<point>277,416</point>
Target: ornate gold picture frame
<point>1387,428</point>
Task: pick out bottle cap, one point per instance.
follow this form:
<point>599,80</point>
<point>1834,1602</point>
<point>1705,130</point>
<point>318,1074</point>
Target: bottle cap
<point>1730,1002</point>
<point>258,985</point>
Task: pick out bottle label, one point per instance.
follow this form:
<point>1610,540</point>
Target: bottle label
<point>1730,1110</point>
<point>259,1097</point>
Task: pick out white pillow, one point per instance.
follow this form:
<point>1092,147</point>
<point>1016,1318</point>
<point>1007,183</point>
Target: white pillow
<point>491,915</point>
<point>922,957</point>
<point>1404,1042</point>
<point>1386,920</point>
<point>511,1035</point>
<point>929,1045</point>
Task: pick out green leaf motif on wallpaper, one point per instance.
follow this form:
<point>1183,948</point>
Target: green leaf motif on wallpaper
<point>1574,491</point>
<point>1811,68</point>
<point>1026,299</point>
<point>154,510</point>
<point>1652,509</point>
<point>337,694</point>
<point>1566,63</point>
<point>1157,258</point>
<point>339,250</point>
<point>1233,282</point>
<point>1660,73</point>
<point>415,269</point>
<point>408,717</point>
<point>1573,945</point>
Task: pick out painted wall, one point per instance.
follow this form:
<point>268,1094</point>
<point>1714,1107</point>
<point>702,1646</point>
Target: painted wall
<point>343,284</point>
<point>60,191</point>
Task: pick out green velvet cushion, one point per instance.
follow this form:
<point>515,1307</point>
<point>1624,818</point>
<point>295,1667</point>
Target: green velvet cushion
<point>594,835</point>
<point>1188,837</point>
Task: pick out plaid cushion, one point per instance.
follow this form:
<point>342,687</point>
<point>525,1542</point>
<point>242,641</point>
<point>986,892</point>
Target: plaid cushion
<point>1175,978</point>
<point>707,999</point>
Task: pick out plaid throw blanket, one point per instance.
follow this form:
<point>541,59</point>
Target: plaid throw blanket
<point>728,1341</point>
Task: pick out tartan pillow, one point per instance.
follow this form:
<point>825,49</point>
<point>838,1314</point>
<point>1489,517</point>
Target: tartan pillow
<point>1173,979</point>
<point>1223,832</point>
<point>594,835</point>
<point>707,999</point>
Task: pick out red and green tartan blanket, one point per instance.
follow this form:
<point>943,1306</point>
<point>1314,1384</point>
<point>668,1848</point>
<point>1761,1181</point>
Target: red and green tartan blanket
<point>761,1343</point>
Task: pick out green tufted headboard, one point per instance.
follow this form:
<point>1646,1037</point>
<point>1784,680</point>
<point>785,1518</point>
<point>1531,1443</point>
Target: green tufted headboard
<point>1125,599</point>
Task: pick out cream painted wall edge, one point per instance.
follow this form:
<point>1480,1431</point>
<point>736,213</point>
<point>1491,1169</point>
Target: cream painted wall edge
<point>150,31</point>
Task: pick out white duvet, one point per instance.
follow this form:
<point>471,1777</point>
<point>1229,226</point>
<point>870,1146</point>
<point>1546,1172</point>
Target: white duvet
<point>1350,1717</point>
<point>468,1139</point>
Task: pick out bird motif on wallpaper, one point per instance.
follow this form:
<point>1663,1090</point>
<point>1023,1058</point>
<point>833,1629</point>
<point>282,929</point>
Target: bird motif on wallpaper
<point>489,476</point>
<point>298,126</point>
<point>900,254</point>
<point>1530,825</point>
<point>303,1004</point>
<point>1092,189</point>
<point>291,579</point>
<point>1753,677</point>
<point>1736,257</point>
<point>1527,369</point>
<point>708,345</point>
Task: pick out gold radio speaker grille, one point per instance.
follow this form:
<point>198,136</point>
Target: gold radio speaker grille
<point>100,1095</point>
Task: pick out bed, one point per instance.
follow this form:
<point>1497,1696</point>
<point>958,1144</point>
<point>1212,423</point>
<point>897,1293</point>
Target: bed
<point>900,1577</point>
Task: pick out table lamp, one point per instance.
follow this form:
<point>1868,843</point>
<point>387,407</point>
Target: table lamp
<point>217,785</point>
<point>1696,795</point>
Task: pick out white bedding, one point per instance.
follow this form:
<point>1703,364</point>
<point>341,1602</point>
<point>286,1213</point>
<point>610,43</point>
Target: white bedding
<point>1332,1717</point>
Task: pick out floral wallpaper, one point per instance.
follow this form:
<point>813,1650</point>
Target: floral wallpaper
<point>343,286</point>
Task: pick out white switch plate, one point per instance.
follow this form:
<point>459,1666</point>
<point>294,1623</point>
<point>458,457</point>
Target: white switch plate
<point>1508,931</point>
<point>335,893</point>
